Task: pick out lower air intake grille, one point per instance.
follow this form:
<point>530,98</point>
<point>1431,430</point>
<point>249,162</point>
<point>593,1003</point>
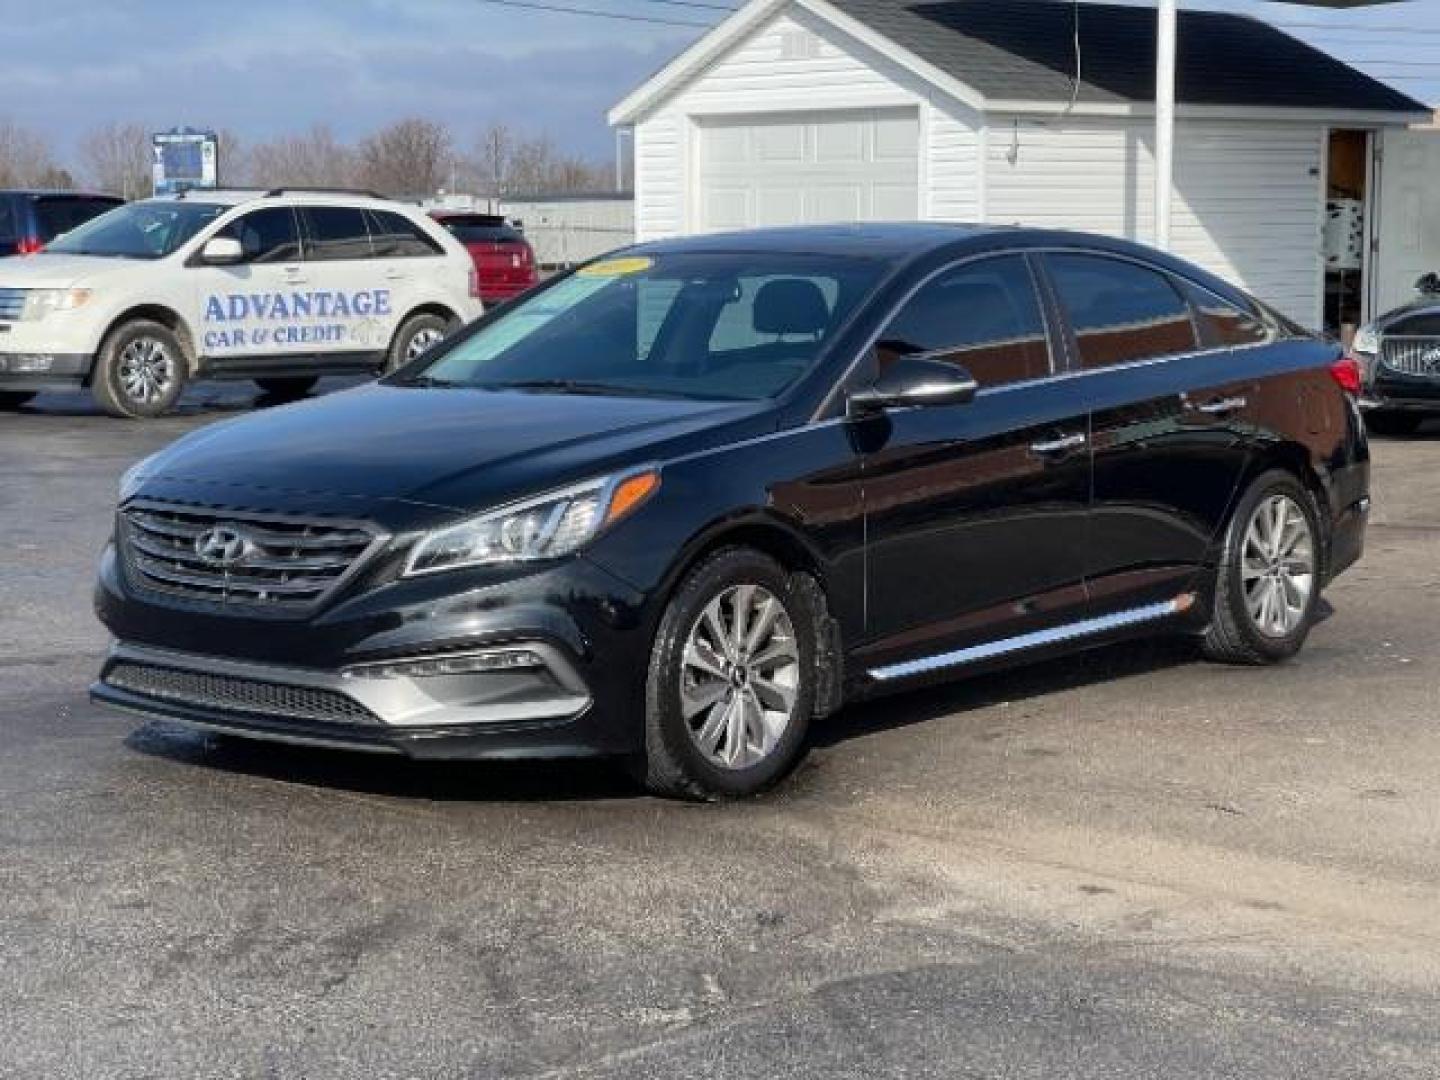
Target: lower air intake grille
<point>226,693</point>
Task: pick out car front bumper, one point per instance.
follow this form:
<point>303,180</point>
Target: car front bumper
<point>40,369</point>
<point>378,671</point>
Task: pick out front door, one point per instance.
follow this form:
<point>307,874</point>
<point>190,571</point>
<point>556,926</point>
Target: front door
<point>975,514</point>
<point>1170,424</point>
<point>244,306</point>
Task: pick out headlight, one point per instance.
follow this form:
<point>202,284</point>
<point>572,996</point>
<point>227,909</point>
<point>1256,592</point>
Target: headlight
<point>546,527</point>
<point>1367,340</point>
<point>41,302</point>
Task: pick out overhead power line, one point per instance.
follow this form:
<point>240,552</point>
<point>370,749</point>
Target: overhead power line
<point>563,9</point>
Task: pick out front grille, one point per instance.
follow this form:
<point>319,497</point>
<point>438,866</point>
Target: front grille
<point>1411,355</point>
<point>281,563</point>
<point>11,301</point>
<point>227,693</point>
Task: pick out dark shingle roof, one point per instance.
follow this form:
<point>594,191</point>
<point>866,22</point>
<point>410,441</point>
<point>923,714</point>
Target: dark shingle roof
<point>1024,50</point>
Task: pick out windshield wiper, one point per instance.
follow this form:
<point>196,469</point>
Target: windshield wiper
<point>429,381</point>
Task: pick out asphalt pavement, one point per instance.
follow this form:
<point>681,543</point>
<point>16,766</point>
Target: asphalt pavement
<point>1124,864</point>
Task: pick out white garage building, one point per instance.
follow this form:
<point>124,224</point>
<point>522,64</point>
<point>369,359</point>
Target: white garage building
<point>969,110</point>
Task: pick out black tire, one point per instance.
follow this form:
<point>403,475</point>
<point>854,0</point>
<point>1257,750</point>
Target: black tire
<point>13,399</point>
<point>111,386</point>
<point>673,763</point>
<point>1234,635</point>
<point>1391,422</point>
<point>288,389</point>
<point>417,326</point>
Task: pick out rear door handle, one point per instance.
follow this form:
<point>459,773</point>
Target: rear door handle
<point>1057,447</point>
<point>1217,407</point>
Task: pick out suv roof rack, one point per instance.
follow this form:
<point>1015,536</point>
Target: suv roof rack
<point>322,190</point>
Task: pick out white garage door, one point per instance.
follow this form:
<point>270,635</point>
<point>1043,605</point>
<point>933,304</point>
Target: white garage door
<point>809,167</point>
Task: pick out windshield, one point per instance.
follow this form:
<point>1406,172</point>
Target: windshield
<point>142,230</point>
<point>723,326</point>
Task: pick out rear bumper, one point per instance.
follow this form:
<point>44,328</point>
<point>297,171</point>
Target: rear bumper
<point>535,712</point>
<point>1347,538</point>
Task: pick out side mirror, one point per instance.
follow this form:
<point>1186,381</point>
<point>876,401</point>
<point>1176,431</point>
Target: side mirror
<point>222,251</point>
<point>910,382</point>
<point>1429,284</point>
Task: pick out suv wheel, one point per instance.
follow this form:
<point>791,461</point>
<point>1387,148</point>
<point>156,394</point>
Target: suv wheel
<point>1268,583</point>
<point>1389,422</point>
<point>141,371</point>
<point>416,336</point>
<point>13,399</point>
<point>287,389</point>
<point>731,683</point>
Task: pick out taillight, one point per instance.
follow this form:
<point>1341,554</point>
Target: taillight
<point>29,245</point>
<point>1346,372</point>
<point>474,283</point>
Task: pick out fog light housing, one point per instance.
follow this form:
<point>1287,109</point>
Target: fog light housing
<point>469,663</point>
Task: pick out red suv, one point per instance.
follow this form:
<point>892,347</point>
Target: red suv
<point>504,261</point>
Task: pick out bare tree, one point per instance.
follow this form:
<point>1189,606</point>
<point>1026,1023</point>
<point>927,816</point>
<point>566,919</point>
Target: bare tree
<point>508,164</point>
<point>314,159</point>
<point>409,157</point>
<point>495,156</point>
<point>116,158</point>
<point>27,160</point>
<point>233,164</point>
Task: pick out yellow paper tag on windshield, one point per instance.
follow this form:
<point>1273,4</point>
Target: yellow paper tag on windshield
<point>632,264</point>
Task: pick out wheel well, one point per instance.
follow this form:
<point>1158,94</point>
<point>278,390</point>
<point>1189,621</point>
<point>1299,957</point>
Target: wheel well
<point>430,309</point>
<point>1292,458</point>
<point>796,559</point>
<point>166,317</point>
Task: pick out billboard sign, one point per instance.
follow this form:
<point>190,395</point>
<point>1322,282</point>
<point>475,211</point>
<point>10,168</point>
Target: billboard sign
<point>183,159</point>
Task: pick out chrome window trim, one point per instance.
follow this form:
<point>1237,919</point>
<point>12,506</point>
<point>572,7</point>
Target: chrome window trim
<point>827,402</point>
<point>1005,646</point>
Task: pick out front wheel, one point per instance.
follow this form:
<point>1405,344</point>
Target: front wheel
<point>416,336</point>
<point>141,371</point>
<point>1268,583</point>
<point>13,399</point>
<point>731,683</point>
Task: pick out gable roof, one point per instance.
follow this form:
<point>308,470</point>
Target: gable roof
<point>1024,50</point>
<point>1014,52</point>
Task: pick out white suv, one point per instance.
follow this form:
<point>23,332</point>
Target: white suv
<point>279,287</point>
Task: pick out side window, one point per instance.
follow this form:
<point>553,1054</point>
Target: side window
<point>336,232</point>
<point>984,316</point>
<point>266,236</point>
<point>1120,311</point>
<point>804,308</point>
<point>397,237</point>
<point>1223,324</point>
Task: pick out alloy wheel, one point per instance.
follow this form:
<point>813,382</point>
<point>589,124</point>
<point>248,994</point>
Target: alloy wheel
<point>1277,566</point>
<point>146,370</point>
<point>740,674</point>
<point>424,339</point>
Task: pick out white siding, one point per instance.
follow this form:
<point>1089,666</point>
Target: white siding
<point>798,63</point>
<point>1247,195</point>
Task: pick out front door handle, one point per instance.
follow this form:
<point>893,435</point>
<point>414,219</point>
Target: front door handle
<point>1057,447</point>
<point>1217,407</point>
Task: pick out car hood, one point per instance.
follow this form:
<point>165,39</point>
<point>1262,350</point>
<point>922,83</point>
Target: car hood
<point>455,449</point>
<point>49,271</point>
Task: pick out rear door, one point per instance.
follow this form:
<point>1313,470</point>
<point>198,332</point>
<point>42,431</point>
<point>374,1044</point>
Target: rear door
<point>1170,423</point>
<point>976,513</point>
<point>357,297</point>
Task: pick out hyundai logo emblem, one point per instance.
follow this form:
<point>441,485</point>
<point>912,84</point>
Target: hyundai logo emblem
<point>223,545</point>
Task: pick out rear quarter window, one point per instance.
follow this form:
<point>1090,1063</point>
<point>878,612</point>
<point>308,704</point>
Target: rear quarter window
<point>1223,324</point>
<point>396,236</point>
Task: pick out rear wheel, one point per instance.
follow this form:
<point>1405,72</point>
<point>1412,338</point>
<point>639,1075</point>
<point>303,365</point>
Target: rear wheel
<point>1390,422</point>
<point>13,399</point>
<point>141,370</point>
<point>1268,583</point>
<point>731,683</point>
<point>416,336</point>
<point>287,389</point>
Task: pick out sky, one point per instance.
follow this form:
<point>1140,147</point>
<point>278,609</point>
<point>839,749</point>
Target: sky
<point>267,67</point>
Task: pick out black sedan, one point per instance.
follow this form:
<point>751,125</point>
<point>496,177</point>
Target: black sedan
<point>681,503</point>
<point>1399,355</point>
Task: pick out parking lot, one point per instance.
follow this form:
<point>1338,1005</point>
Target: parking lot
<point>1124,864</point>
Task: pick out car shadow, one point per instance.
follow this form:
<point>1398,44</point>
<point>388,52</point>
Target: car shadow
<point>389,775</point>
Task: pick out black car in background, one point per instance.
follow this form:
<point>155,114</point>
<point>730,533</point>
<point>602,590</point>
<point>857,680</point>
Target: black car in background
<point>1399,355</point>
<point>678,504</point>
<point>31,219</point>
